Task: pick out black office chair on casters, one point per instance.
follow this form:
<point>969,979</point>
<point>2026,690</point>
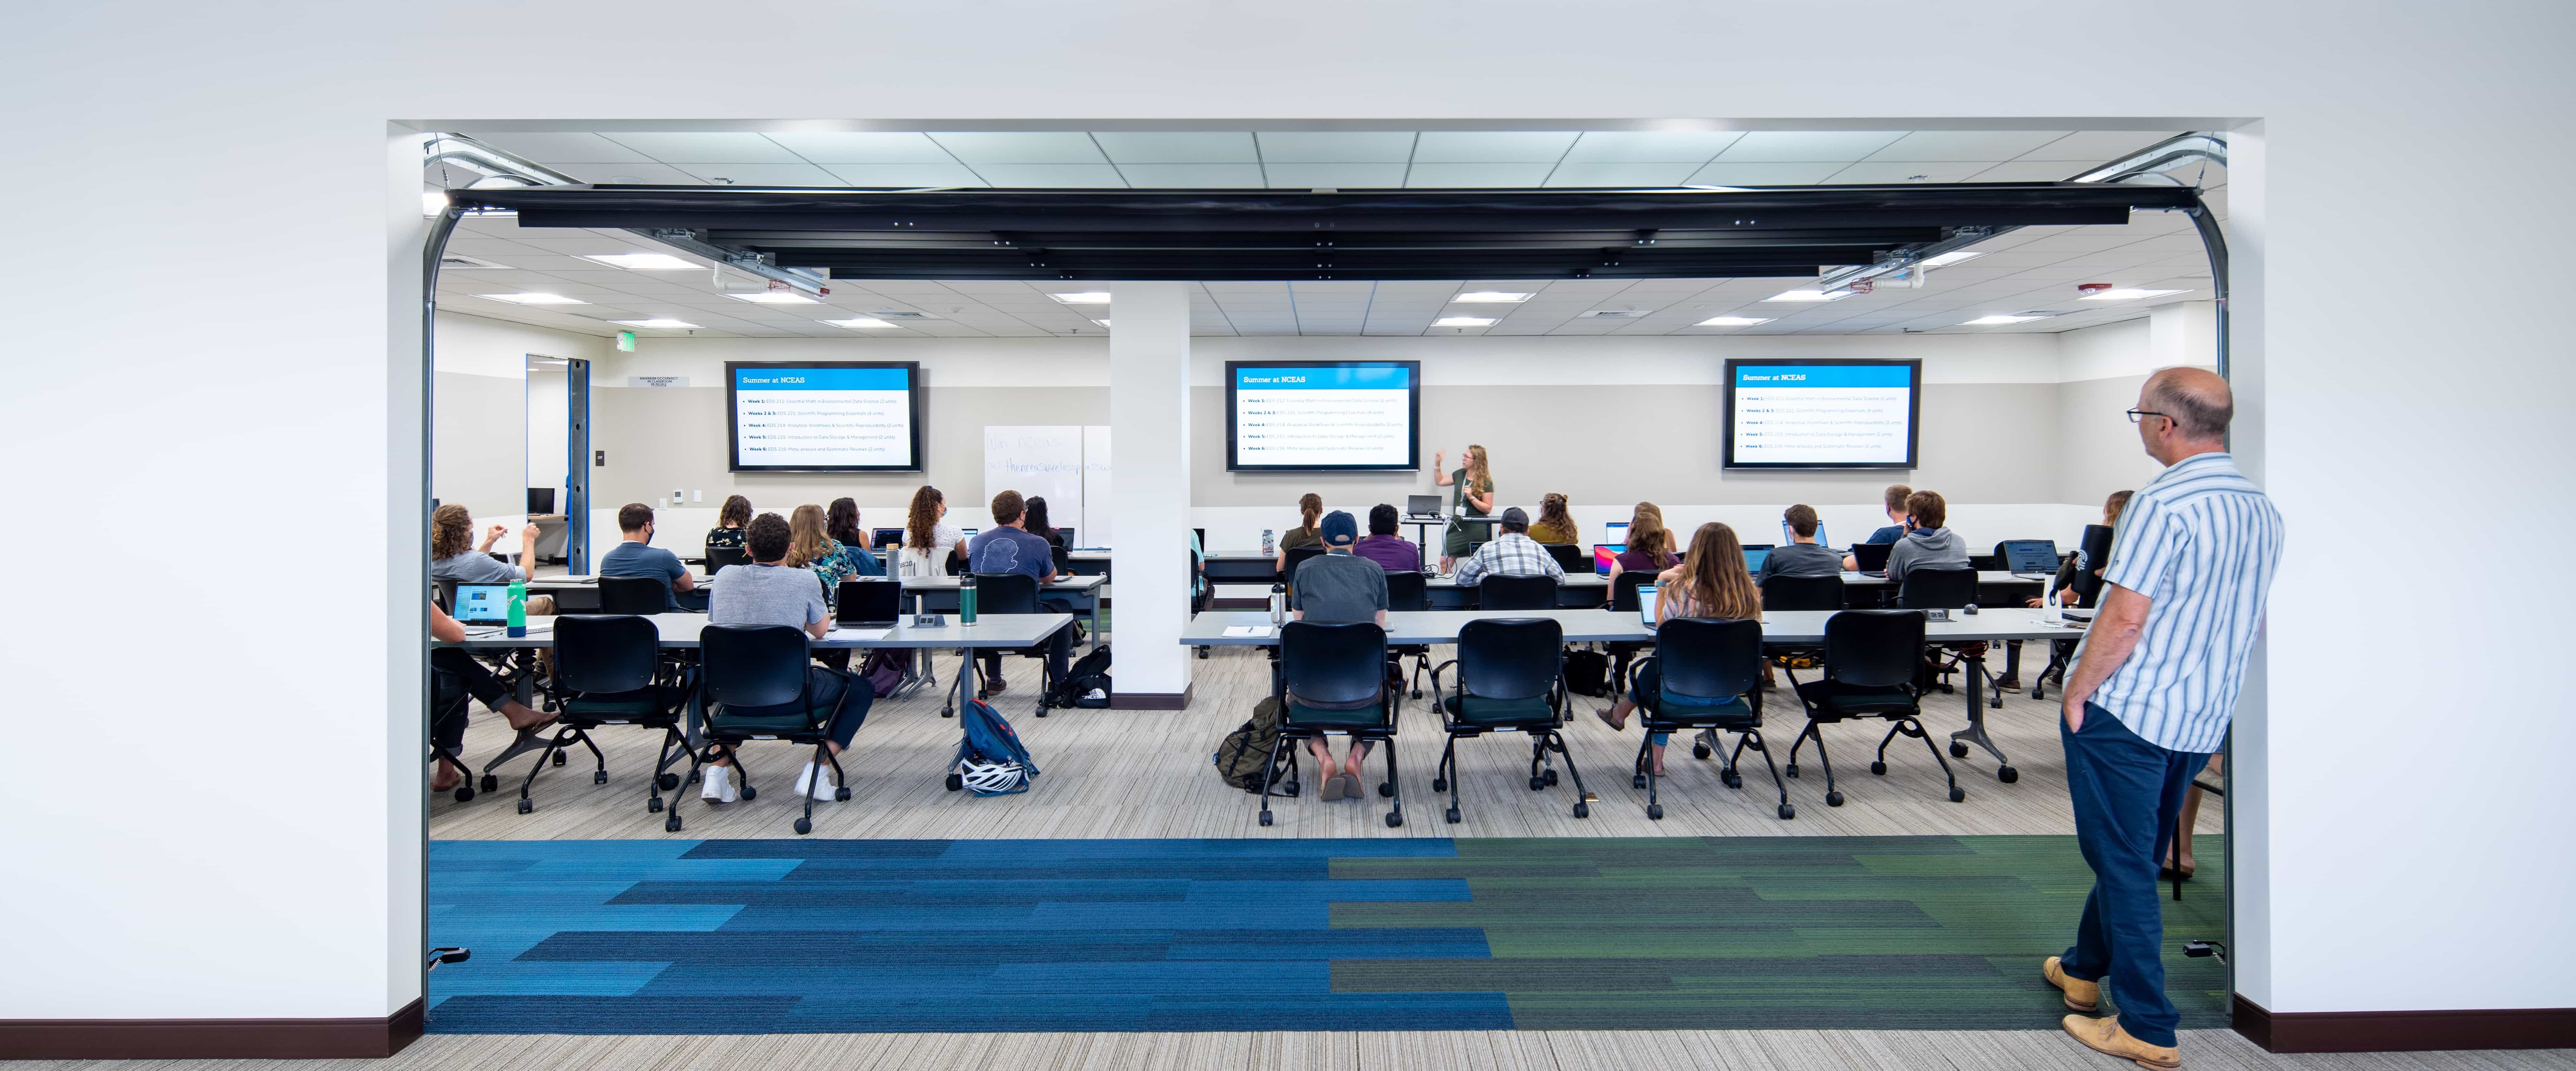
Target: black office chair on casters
<point>1946,589</point>
<point>1406,592</point>
<point>1511,679</point>
<point>758,685</point>
<point>1873,661</point>
<point>1295,557</point>
<point>1706,677</point>
<point>1623,600</point>
<point>1017,593</point>
<point>609,671</point>
<point>448,699</point>
<point>720,557</point>
<point>1516,593</point>
<point>1332,680</point>
<point>642,595</point>
<point>1800,593</point>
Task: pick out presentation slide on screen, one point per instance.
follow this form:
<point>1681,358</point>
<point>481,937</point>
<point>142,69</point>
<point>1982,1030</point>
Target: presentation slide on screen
<point>1359,417</point>
<point>822,417</point>
<point>1822,414</point>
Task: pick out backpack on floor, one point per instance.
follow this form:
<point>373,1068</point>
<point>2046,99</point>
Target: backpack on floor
<point>884,669</point>
<point>991,761</point>
<point>1087,674</point>
<point>1587,672</point>
<point>1243,759</point>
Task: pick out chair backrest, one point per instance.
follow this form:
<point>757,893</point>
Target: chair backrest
<point>443,595</point>
<point>1623,589</point>
<point>1405,591</point>
<point>1297,556</point>
<point>1986,563</point>
<point>1509,657</point>
<point>1872,648</point>
<point>633,595</point>
<point>719,557</point>
<point>1569,557</point>
<point>603,654</point>
<point>755,666</point>
<point>1333,667</point>
<point>1802,593</point>
<point>1063,558</point>
<point>1709,657</point>
<point>1937,589</point>
<point>1006,593</point>
<point>1516,593</point>
<point>2092,551</point>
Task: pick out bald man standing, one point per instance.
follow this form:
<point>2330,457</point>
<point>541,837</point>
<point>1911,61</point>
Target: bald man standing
<point>2154,685</point>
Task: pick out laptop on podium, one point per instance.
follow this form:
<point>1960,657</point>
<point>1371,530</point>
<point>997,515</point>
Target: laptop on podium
<point>1422,507</point>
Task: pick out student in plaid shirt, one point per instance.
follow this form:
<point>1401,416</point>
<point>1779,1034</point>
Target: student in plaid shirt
<point>1512,553</point>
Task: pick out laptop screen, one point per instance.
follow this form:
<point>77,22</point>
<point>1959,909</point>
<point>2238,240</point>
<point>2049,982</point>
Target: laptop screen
<point>874,601</point>
<point>2030,555</point>
<point>1067,533</point>
<point>1422,505</point>
<point>887,537</point>
<point>1753,557</point>
<point>1871,557</point>
<point>483,604</point>
<point>1616,533</point>
<point>1604,554</point>
<point>1646,605</point>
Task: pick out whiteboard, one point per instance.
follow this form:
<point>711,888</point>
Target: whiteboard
<point>1038,461</point>
<point>1095,487</point>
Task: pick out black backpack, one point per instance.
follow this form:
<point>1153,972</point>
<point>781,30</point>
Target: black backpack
<point>1587,672</point>
<point>1245,752</point>
<point>1088,672</point>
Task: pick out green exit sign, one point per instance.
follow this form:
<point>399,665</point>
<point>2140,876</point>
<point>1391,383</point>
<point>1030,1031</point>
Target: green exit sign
<point>626,342</point>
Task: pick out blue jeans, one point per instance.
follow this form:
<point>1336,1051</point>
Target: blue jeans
<point>2128,794</point>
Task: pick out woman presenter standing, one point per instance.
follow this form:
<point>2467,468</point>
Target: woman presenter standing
<point>1471,499</point>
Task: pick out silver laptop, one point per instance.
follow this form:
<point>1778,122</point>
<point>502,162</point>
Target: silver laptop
<point>1422,505</point>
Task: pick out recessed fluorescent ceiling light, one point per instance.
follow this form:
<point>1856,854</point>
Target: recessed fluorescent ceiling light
<point>1733,321</point>
<point>642,261</point>
<point>2126,295</point>
<point>775,297</point>
<point>534,299</point>
<point>1809,295</point>
<point>1947,259</point>
<point>1103,323</point>
<point>1988,321</point>
<point>859,321</point>
<point>1462,321</point>
<point>1087,297</point>
<point>674,324</point>
<point>1490,297</point>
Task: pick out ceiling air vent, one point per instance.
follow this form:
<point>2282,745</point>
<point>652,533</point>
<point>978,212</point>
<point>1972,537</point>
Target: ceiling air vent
<point>902,314</point>
<point>1611,314</point>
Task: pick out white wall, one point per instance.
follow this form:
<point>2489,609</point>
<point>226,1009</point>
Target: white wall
<point>488,450</point>
<point>2436,883</point>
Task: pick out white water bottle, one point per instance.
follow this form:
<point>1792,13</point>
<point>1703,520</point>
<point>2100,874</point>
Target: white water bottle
<point>1278,604</point>
<point>1266,549</point>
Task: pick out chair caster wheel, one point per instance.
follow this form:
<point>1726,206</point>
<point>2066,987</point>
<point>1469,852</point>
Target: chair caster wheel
<point>2038,691</point>
<point>1637,781</point>
<point>1549,774</point>
<point>1417,693</point>
<point>599,777</point>
<point>1265,818</point>
<point>750,793</point>
<point>1394,819</point>
<point>804,826</point>
<point>1788,812</point>
<point>1958,794</point>
<point>559,758</point>
<point>1833,799</point>
<point>1655,811</point>
<point>1879,768</point>
<point>1455,817</point>
<point>491,783</point>
<point>1386,788</point>
<point>955,782</point>
<point>671,824</point>
<point>1793,769</point>
<point>1041,712</point>
<point>1733,779</point>
<point>1537,783</point>
<point>653,806</point>
<point>1291,789</point>
<point>1583,810</point>
<point>1439,784</point>
<point>948,712</point>
<point>464,793</point>
<point>841,794</point>
<point>526,807</point>
<point>1958,750</point>
<point>1699,751</point>
<point>2007,775</point>
<point>667,782</point>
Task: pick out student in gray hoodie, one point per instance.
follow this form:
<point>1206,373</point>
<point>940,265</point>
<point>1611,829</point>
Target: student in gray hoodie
<point>1927,544</point>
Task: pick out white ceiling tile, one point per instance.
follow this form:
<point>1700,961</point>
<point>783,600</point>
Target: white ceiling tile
<point>1192,176</point>
<point>2026,171</point>
<point>905,176</point>
<point>1339,176</point>
<point>1650,146</point>
<point>764,174</point>
<point>707,148</point>
<point>1050,176</point>
<point>1021,148</point>
<point>1875,173</point>
<point>1479,147</point>
<point>1439,176</point>
<point>1965,145</point>
<point>1334,147</point>
<point>1723,173</point>
<point>1806,146</point>
<point>2096,146</point>
<point>564,148</point>
<point>1209,147</point>
<point>1635,174</point>
<point>869,147</point>
<point>645,174</point>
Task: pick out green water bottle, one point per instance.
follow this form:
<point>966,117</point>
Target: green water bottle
<point>518,608</point>
<point>966,599</point>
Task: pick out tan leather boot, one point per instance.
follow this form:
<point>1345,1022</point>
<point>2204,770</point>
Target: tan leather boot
<point>2105,1036</point>
<point>2081,995</point>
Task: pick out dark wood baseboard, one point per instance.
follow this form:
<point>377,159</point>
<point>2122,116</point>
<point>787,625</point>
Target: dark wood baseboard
<point>1152,700</point>
<point>211,1039</point>
<point>2405,1031</point>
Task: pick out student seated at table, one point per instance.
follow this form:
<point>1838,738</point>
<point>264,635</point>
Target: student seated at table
<point>1555,523</point>
<point>1802,557</point>
<point>1650,544</point>
<point>811,547</point>
<point>1332,588</point>
<point>453,557</point>
<point>1038,523</point>
<point>1009,548</point>
<point>928,540</point>
<point>481,683</point>
<point>841,524</point>
<point>771,592</point>
<point>1710,582</point>
<point>2063,589</point>
<point>1894,499</point>
<point>1309,508</point>
<point>1927,543</point>
<point>1511,553</point>
<point>1390,551</point>
<point>635,555</point>
<point>730,519</point>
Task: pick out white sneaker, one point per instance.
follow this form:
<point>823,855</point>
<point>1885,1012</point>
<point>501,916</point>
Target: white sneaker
<point>815,782</point>
<point>719,786</point>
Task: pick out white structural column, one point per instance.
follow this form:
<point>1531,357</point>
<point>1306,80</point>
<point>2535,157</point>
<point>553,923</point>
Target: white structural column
<point>1149,414</point>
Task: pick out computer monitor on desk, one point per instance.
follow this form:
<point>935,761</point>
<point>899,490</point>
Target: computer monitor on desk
<point>541,501</point>
<point>1871,557</point>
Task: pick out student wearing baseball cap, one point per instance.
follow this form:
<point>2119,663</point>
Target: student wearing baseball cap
<point>1337,587</point>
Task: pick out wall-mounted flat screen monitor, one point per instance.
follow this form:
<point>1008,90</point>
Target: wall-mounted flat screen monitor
<point>845,416</point>
<point>1826,414</point>
<point>1327,415</point>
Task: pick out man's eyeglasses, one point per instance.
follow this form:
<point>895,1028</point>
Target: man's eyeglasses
<point>2136,415</point>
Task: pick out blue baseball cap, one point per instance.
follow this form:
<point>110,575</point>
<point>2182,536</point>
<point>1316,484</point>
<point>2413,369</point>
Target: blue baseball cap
<point>1339,530</point>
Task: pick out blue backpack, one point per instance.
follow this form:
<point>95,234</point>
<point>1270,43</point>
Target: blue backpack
<point>989,743</point>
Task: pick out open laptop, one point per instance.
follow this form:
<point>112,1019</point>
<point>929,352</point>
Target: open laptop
<point>1872,557</point>
<point>1790,535</point>
<point>1615,534</point>
<point>876,602</point>
<point>886,537</point>
<point>1753,558</point>
<point>1604,554</point>
<point>1424,507</point>
<point>485,605</point>
<point>2028,556</point>
<point>1069,541</point>
<point>1646,606</point>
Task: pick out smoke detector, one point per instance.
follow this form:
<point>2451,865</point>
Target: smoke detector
<point>2090,289</point>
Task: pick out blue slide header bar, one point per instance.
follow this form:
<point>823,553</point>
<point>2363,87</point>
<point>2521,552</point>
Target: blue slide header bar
<point>822,379</point>
<point>1824,375</point>
<point>1392,377</point>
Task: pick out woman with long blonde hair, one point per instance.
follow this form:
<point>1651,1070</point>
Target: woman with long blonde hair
<point>1555,523</point>
<point>1710,582</point>
<point>1471,498</point>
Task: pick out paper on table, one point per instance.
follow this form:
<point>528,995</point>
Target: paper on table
<point>1244,631</point>
<point>861,633</point>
